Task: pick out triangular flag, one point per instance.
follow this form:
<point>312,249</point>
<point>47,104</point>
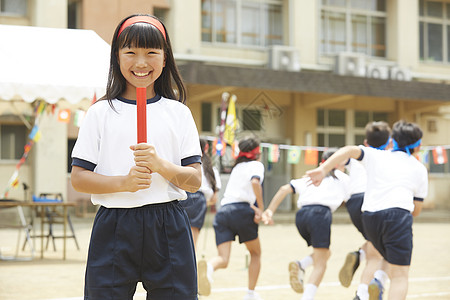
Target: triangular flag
<point>311,157</point>
<point>293,155</point>
<point>64,115</point>
<point>439,155</point>
<point>274,153</point>
<point>231,121</point>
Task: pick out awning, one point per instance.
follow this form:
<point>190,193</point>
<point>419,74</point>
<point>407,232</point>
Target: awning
<point>52,64</point>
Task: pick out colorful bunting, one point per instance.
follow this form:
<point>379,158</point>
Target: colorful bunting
<point>311,157</point>
<point>64,115</point>
<point>422,156</point>
<point>79,116</point>
<point>439,155</point>
<point>293,156</point>
<point>274,153</point>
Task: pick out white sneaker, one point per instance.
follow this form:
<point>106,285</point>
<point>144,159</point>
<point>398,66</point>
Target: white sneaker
<point>204,284</point>
<point>296,274</point>
<point>253,296</point>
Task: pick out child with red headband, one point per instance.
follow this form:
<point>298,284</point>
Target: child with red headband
<point>239,216</point>
<point>397,184</point>
<point>141,233</point>
<point>313,221</point>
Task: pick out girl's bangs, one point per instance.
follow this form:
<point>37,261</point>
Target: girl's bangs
<point>141,35</point>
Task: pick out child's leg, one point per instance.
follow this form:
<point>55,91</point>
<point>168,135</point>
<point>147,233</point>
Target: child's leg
<point>399,281</point>
<point>320,257</point>
<point>373,258</point>
<point>195,233</point>
<point>221,261</point>
<point>254,267</point>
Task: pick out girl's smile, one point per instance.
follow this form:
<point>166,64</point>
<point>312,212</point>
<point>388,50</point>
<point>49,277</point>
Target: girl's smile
<point>140,67</point>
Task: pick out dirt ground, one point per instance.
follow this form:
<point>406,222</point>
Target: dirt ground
<point>52,278</point>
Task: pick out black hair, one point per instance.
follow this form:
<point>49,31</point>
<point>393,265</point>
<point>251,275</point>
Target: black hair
<point>143,35</point>
<point>405,134</point>
<point>207,166</point>
<point>246,145</point>
<point>377,133</point>
<point>326,155</point>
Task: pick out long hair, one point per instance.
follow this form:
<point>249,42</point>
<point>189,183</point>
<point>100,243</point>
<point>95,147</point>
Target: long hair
<point>207,166</point>
<point>246,145</point>
<point>143,35</point>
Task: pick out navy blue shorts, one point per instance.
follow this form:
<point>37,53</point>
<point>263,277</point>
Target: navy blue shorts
<point>390,231</point>
<point>353,206</point>
<point>235,219</point>
<point>195,206</point>
<point>314,225</point>
<point>151,244</point>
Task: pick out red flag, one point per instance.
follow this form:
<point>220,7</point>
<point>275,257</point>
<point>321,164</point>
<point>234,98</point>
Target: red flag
<point>94,99</point>
<point>311,157</point>
<point>439,155</point>
<point>141,105</point>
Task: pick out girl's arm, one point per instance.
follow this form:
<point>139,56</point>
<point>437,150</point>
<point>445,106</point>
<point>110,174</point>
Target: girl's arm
<point>188,178</point>
<point>257,189</point>
<point>86,181</point>
<point>283,191</point>
<point>342,155</point>
<point>417,208</point>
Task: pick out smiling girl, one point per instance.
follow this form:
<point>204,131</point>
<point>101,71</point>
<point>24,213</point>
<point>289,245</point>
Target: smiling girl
<point>140,233</point>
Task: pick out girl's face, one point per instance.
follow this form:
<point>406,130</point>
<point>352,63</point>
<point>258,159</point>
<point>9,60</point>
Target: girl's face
<point>141,67</point>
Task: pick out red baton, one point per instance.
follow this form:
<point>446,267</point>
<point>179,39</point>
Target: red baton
<point>141,104</point>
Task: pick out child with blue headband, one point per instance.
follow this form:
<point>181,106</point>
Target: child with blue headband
<point>397,184</point>
<point>377,136</point>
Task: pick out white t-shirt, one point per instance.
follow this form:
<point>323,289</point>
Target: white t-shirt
<point>239,187</point>
<point>206,187</point>
<point>331,192</point>
<point>358,176</point>
<point>394,179</point>
<point>106,135</point>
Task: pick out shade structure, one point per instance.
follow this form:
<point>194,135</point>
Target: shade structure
<point>52,64</point>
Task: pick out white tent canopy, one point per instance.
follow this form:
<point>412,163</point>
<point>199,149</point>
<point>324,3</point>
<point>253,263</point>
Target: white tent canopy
<point>52,64</point>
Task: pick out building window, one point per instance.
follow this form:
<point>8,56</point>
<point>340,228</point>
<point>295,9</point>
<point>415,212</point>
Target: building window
<point>353,26</point>
<point>334,128</point>
<point>331,128</point>
<point>14,7</point>
<point>12,141</point>
<point>242,22</point>
<point>434,25</point>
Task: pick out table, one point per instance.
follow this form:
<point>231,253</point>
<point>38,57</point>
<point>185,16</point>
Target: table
<point>43,205</point>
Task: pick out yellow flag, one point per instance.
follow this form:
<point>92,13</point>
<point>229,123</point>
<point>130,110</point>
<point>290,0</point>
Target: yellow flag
<point>231,122</point>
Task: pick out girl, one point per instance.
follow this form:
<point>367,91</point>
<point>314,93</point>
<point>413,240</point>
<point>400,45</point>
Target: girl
<point>197,202</point>
<point>141,233</point>
<point>239,216</point>
<point>397,184</point>
<point>313,222</point>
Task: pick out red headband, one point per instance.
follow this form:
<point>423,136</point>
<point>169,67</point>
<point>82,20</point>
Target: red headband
<point>142,19</point>
<point>251,154</point>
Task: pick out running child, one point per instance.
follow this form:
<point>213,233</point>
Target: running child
<point>378,137</point>
<point>196,203</point>
<point>239,215</point>
<point>141,233</point>
<point>313,220</point>
<point>397,184</point>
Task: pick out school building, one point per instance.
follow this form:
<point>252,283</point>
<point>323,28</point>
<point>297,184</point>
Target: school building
<point>309,73</point>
